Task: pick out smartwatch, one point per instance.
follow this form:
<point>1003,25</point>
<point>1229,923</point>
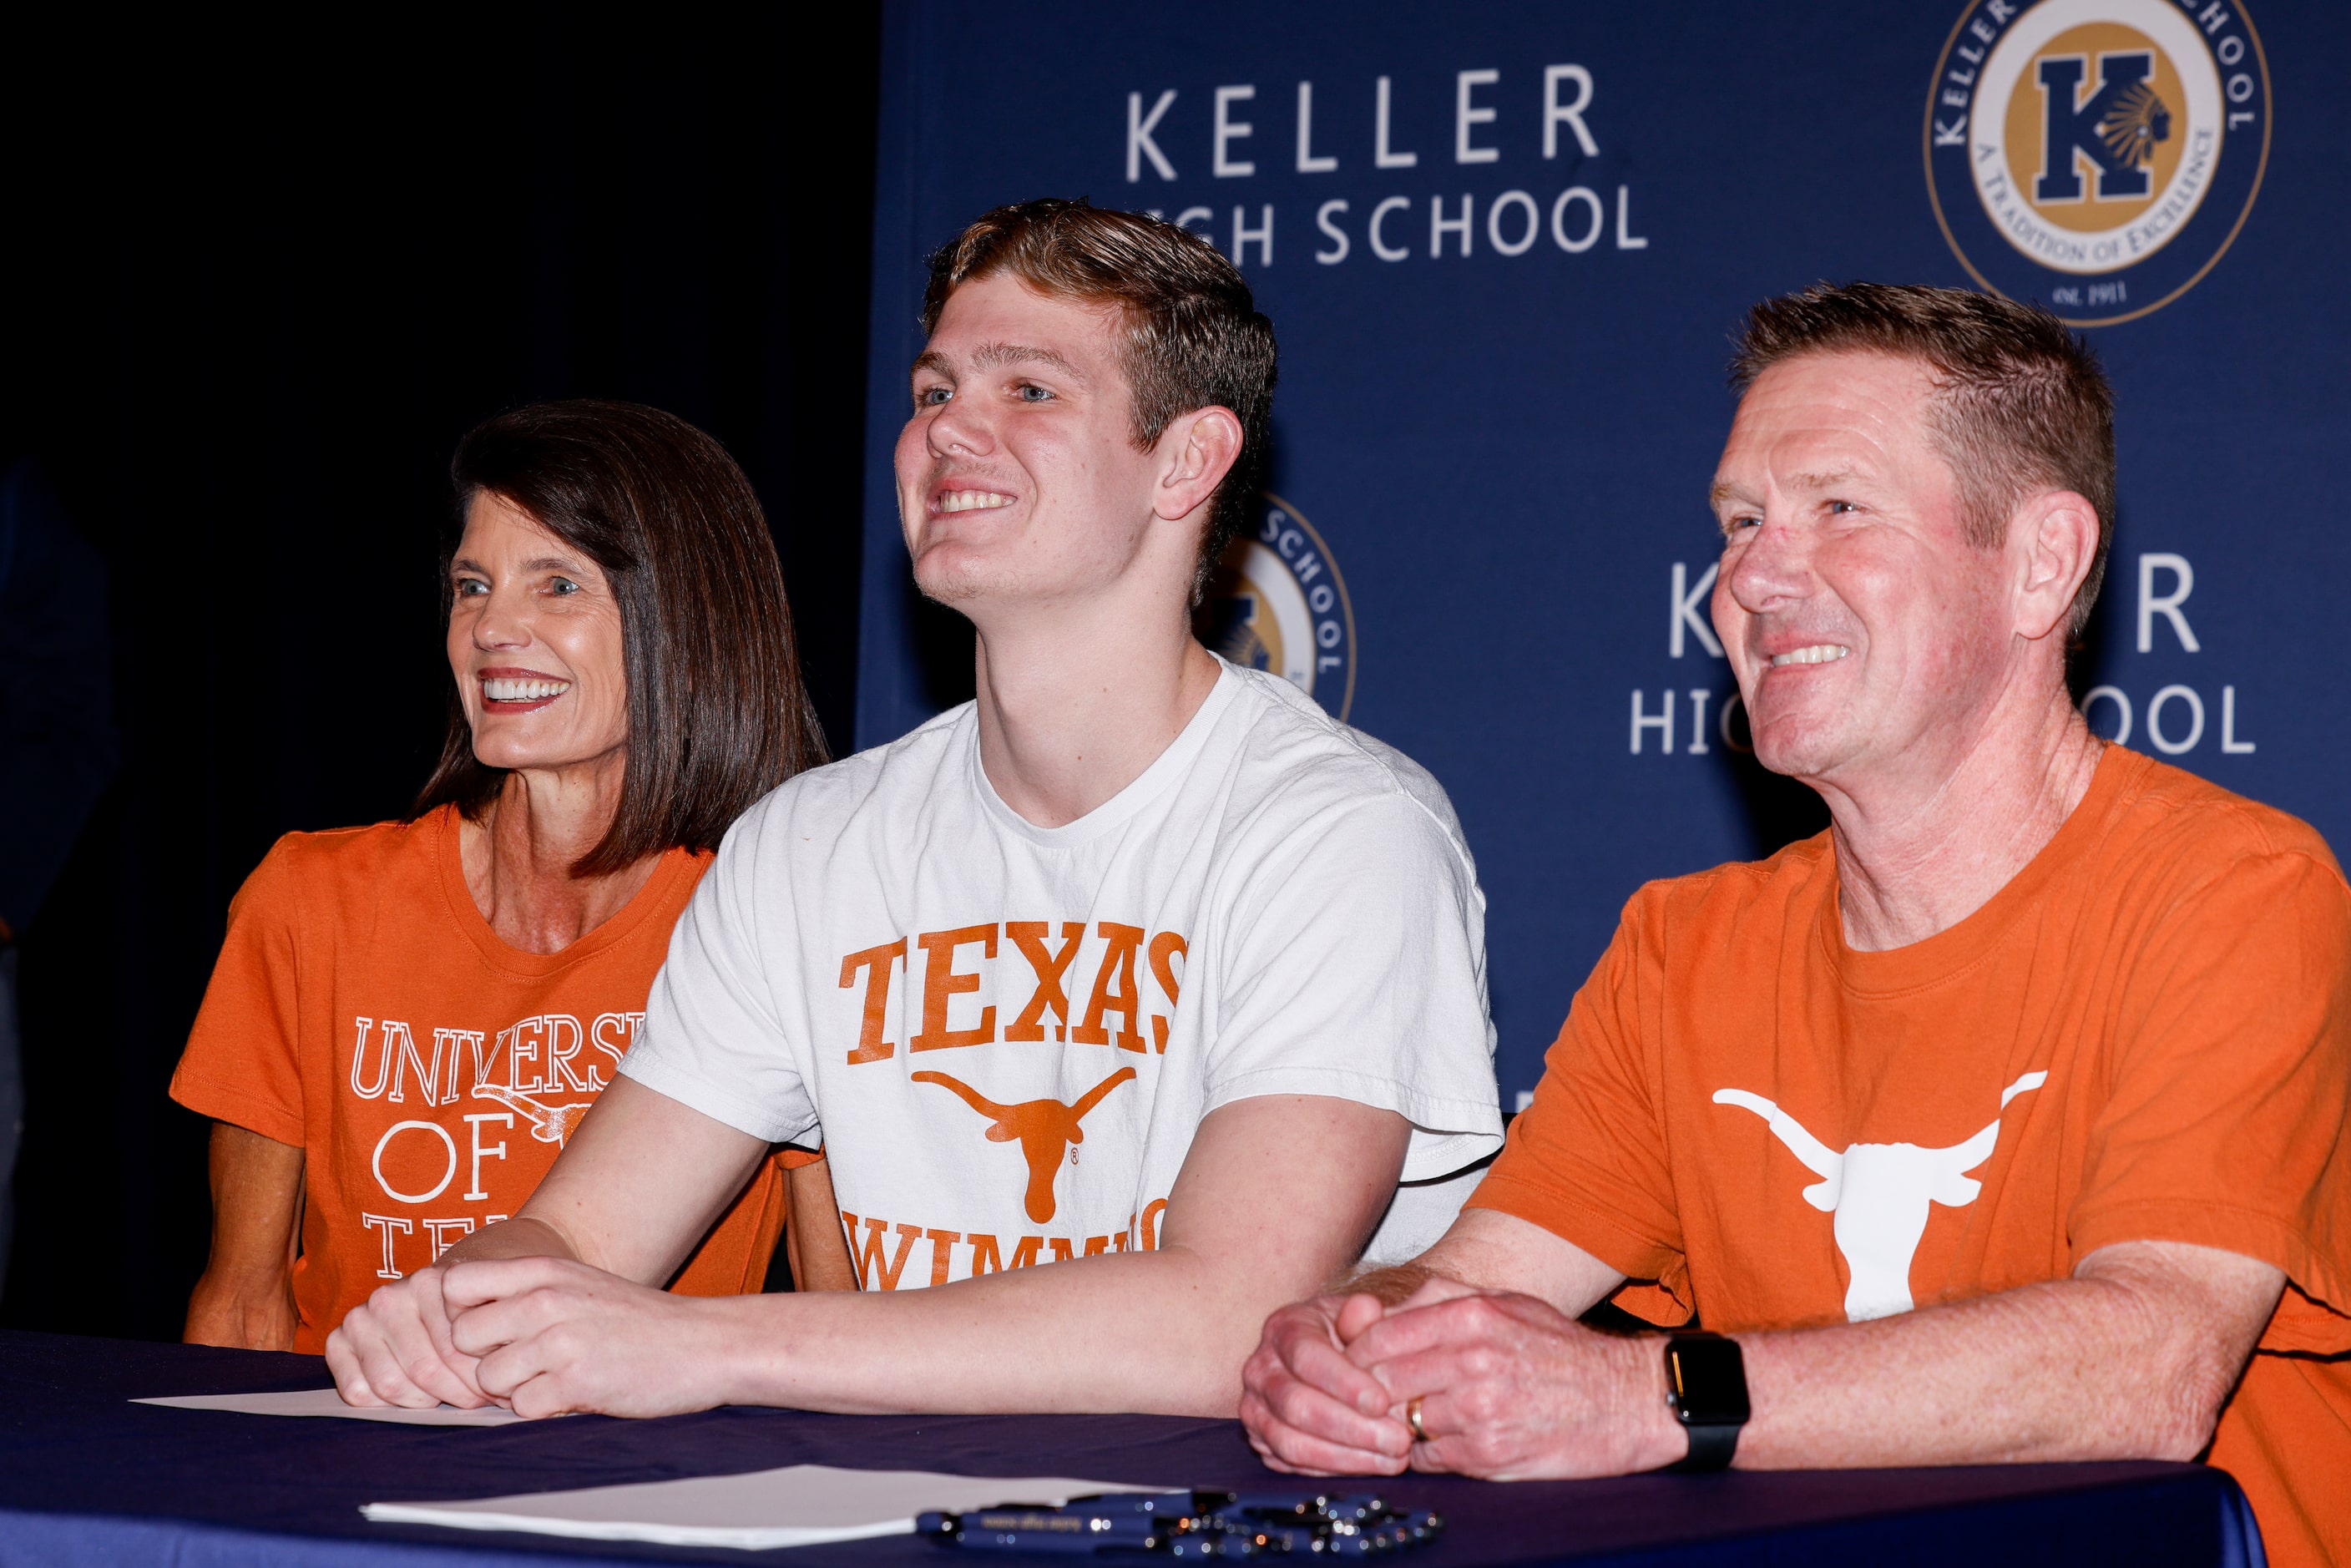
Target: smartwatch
<point>1706,1384</point>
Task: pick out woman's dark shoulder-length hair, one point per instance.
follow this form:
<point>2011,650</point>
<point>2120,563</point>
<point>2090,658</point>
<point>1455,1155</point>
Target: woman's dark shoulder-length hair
<point>717,716</point>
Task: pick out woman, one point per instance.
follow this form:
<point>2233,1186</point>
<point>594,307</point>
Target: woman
<point>408,1020</point>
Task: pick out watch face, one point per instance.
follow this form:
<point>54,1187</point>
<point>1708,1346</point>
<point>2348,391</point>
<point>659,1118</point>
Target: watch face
<point>1708,1377</point>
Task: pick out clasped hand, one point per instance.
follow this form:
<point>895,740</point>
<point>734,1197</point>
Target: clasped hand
<point>541,1336</point>
<point>1509,1388</point>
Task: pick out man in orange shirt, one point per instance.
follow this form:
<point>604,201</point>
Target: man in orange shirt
<point>2005,1120</point>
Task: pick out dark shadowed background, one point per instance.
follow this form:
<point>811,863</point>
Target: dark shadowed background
<point>261,276</point>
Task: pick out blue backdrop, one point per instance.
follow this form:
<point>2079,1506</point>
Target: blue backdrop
<point>1504,246</point>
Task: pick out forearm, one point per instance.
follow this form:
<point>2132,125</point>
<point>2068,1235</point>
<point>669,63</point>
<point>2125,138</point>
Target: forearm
<point>524,1236</point>
<point>245,1297</point>
<point>1487,1249</point>
<point>640,1183</point>
<point>246,1309</point>
<point>1161,1332</point>
<point>1394,1285</point>
<point>2120,1362</point>
<point>2102,1366</point>
<point>818,1256</point>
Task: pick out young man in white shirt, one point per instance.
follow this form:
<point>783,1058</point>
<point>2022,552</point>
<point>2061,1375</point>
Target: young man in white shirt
<point>1139,961</point>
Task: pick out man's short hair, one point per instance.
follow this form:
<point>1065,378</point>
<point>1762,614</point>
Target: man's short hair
<point>1195,337</point>
<point>2020,403</point>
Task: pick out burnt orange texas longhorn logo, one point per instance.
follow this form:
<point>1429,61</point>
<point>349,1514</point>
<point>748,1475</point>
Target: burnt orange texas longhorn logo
<point>1044,1128</point>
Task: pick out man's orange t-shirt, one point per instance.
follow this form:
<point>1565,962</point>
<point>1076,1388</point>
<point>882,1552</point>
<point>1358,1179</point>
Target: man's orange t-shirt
<point>2146,1036</point>
<point>364,1011</point>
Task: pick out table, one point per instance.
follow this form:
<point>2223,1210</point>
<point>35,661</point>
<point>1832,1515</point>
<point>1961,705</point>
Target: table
<point>88,1478</point>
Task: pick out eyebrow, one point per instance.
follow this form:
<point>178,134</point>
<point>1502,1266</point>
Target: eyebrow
<point>543,563</point>
<point>1022,354</point>
<point>1001,354</point>
<point>1725,491</point>
<point>1824,481</point>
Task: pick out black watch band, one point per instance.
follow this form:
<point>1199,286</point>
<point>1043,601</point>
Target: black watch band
<point>1710,1449</point>
<point>1706,1385</point>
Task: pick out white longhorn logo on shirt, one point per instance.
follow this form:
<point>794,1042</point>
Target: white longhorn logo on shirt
<point>1879,1193</point>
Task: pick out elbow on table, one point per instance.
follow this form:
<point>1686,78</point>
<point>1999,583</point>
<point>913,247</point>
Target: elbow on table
<point>2176,1441</point>
<point>2180,1323</point>
<point>2179,1407</point>
<point>2182,1433</point>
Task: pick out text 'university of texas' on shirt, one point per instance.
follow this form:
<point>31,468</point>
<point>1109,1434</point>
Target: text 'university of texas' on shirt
<point>1005,1035</point>
<point>362,1010</point>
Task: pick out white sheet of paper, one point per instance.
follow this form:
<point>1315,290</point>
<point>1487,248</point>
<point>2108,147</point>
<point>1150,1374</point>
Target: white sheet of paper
<point>798,1505</point>
<point>326,1402</point>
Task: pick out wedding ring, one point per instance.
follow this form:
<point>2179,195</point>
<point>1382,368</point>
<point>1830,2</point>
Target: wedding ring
<point>1412,1419</point>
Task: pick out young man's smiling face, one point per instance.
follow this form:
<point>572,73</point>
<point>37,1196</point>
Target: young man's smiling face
<point>1019,477</point>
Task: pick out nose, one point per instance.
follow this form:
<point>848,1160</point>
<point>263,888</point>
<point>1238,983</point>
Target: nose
<point>960,430</point>
<point>503,621</point>
<point>1771,568</point>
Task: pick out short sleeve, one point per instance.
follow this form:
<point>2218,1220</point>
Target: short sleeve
<point>1353,966</point>
<point>243,1064</point>
<point>1587,1160</point>
<point>713,1037</point>
<point>2224,1123</point>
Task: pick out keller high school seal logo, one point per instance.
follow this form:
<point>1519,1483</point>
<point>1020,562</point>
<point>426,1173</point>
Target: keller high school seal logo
<point>2097,156</point>
<point>1277,603</point>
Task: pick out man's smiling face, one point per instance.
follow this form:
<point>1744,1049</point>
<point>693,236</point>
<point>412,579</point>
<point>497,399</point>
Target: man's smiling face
<point>1863,625</point>
<point>1018,474</point>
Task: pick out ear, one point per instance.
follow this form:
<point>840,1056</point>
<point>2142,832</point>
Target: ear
<point>2054,538</point>
<point>1196,451</point>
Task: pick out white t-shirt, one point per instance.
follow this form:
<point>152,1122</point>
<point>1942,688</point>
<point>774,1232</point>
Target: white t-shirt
<point>1005,1035</point>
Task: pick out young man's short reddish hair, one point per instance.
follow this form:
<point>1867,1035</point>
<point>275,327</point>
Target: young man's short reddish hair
<point>1195,337</point>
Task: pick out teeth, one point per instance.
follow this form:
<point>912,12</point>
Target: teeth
<point>1818,654</point>
<point>527,691</point>
<point>972,500</point>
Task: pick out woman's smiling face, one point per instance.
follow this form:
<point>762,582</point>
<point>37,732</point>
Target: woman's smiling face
<point>535,643</point>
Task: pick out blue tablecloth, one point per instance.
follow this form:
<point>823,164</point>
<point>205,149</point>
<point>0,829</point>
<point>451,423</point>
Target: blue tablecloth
<point>88,1478</point>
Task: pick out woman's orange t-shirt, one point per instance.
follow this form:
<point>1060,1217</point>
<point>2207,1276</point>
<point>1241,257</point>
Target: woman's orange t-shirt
<point>2146,1036</point>
<point>363,1010</point>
